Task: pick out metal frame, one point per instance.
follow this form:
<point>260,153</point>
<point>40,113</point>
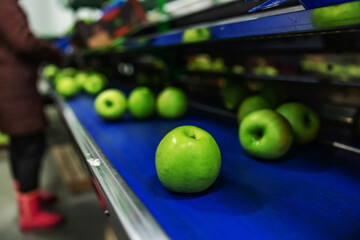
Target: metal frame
<point>127,212</point>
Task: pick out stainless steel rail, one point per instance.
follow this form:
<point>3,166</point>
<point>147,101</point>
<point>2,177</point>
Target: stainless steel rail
<point>125,208</point>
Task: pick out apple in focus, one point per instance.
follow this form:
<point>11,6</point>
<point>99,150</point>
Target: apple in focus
<point>303,120</point>
<point>265,134</point>
<point>141,102</point>
<point>110,104</point>
<point>188,160</point>
<point>171,103</point>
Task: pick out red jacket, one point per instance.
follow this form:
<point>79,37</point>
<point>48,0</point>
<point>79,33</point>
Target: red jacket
<point>21,110</point>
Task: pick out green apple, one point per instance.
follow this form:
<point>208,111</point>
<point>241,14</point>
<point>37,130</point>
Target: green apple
<point>188,160</point>
<point>110,104</point>
<point>337,15</point>
<point>321,67</point>
<point>265,134</point>
<point>306,65</point>
<point>303,120</point>
<point>196,35</point>
<point>141,102</point>
<point>201,62</point>
<point>81,78</point>
<point>352,70</point>
<point>171,103</point>
<point>274,96</point>
<point>67,87</point>
<point>64,73</point>
<point>232,94</point>
<point>4,139</point>
<point>58,77</point>
<point>337,69</point>
<point>238,69</point>
<point>260,70</point>
<point>252,104</point>
<point>271,71</point>
<point>218,65</point>
<point>94,83</point>
<point>50,71</point>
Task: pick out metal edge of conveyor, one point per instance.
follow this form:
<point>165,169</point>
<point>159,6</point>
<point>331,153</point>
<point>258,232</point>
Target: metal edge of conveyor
<point>136,220</point>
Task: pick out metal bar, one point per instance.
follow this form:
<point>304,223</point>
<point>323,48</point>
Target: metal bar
<point>342,146</point>
<point>135,219</point>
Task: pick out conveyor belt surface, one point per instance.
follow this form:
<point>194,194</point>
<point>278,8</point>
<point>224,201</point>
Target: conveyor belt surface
<point>313,193</point>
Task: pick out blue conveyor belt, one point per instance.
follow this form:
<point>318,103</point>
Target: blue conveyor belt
<point>313,193</point>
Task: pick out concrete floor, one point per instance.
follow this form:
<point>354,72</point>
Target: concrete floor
<point>84,216</point>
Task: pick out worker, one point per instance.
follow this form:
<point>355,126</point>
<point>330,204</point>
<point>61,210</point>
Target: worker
<point>21,112</point>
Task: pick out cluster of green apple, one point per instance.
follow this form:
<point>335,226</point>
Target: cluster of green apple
<point>303,121</point>
<point>268,134</point>
<point>204,62</point>
<point>188,159</point>
<point>334,69</point>
<point>69,81</point>
<point>112,104</point>
<point>4,139</point>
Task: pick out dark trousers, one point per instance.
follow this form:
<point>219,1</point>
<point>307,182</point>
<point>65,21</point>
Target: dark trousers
<point>26,153</point>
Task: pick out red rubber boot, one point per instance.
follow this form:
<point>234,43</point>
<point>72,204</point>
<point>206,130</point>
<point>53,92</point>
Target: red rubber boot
<point>45,197</point>
<point>31,215</point>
